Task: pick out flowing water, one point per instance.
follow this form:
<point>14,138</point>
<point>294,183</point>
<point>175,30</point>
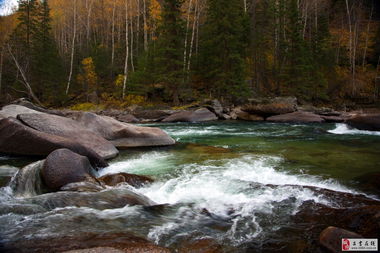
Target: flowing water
<point>238,183</point>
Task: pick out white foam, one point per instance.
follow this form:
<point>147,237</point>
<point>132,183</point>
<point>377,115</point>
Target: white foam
<point>156,161</point>
<point>344,129</point>
<point>229,185</point>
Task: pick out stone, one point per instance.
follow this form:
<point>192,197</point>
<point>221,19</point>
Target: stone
<point>127,118</point>
<point>63,167</point>
<point>18,139</point>
<point>270,107</point>
<point>200,115</point>
<point>370,122</point>
<point>84,186</point>
<point>297,117</point>
<point>70,129</point>
<point>81,241</point>
<point>331,238</point>
<point>14,110</point>
<point>131,179</point>
<point>248,117</point>
<point>333,119</point>
<point>124,135</point>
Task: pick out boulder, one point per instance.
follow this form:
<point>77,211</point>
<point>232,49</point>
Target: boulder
<point>68,128</point>
<point>297,117</point>
<point>123,135</point>
<point>200,115</point>
<point>127,118</point>
<point>369,122</point>
<point>26,103</point>
<point>79,241</point>
<point>152,115</point>
<point>247,116</point>
<point>131,179</point>
<point>84,186</point>
<point>331,238</point>
<point>333,119</point>
<point>205,245</point>
<point>214,106</point>
<point>63,167</point>
<point>18,139</point>
<point>14,110</point>
<point>270,107</point>
<point>96,250</point>
<point>106,199</point>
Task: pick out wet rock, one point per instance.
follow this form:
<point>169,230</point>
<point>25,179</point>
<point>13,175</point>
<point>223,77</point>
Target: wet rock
<point>152,115</point>
<point>331,238</point>
<point>127,118</point>
<point>201,245</point>
<point>131,179</point>
<point>370,182</point>
<point>96,250</point>
<point>18,139</point>
<point>84,186</point>
<point>124,135</point>
<point>333,119</point>
<point>106,199</point>
<point>126,242</point>
<point>14,110</point>
<point>6,173</point>
<point>297,117</point>
<point>68,128</point>
<point>247,116</point>
<point>200,115</point>
<point>63,167</point>
<point>370,122</point>
<point>270,107</point>
<point>26,103</point>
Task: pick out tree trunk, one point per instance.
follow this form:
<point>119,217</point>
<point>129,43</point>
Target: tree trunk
<point>186,33</point>
<point>366,38</point>
<point>132,38</point>
<point>192,36</point>
<point>72,47</point>
<point>25,81</point>
<point>145,27</point>
<point>1,67</point>
<point>126,48</point>
<point>113,37</point>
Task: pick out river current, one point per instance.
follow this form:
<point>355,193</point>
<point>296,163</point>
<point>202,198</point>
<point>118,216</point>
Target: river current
<point>238,183</point>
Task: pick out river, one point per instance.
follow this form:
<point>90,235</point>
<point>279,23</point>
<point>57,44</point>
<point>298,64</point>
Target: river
<point>239,183</point>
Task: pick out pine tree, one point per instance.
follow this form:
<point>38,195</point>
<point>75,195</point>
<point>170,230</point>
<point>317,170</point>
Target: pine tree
<point>224,49</point>
<point>170,49</point>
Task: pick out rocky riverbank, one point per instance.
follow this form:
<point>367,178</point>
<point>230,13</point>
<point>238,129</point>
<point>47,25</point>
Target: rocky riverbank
<point>73,145</point>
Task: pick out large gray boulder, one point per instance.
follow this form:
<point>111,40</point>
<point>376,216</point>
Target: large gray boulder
<point>14,110</point>
<point>200,115</point>
<point>369,122</point>
<point>297,117</point>
<point>68,128</point>
<point>123,135</point>
<point>63,167</point>
<point>18,139</point>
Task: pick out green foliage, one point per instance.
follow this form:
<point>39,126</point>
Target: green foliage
<point>224,49</point>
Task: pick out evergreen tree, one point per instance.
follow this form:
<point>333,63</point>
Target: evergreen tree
<point>170,48</point>
<point>47,65</point>
<point>224,49</point>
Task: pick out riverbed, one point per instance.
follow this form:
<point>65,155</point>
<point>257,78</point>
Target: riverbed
<point>237,183</point>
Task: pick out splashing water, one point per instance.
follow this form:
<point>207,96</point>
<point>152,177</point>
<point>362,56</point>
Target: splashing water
<point>344,129</point>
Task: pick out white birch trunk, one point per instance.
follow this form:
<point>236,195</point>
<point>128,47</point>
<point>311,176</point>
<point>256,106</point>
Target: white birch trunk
<point>72,47</point>
<point>126,48</point>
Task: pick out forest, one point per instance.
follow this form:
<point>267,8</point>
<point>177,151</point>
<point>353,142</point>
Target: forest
<point>175,52</point>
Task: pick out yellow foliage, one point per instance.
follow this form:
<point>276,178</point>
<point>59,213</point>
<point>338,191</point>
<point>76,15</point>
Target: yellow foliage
<point>86,107</point>
<point>88,77</point>
<point>119,80</point>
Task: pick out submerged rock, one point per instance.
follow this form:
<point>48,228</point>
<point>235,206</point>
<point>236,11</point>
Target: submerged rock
<point>124,135</point>
<point>107,199</point>
<point>18,139</point>
<point>68,128</point>
<point>297,117</point>
<point>131,179</point>
<point>331,238</point>
<point>200,115</point>
<point>63,167</point>
<point>80,242</point>
<point>369,122</point>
